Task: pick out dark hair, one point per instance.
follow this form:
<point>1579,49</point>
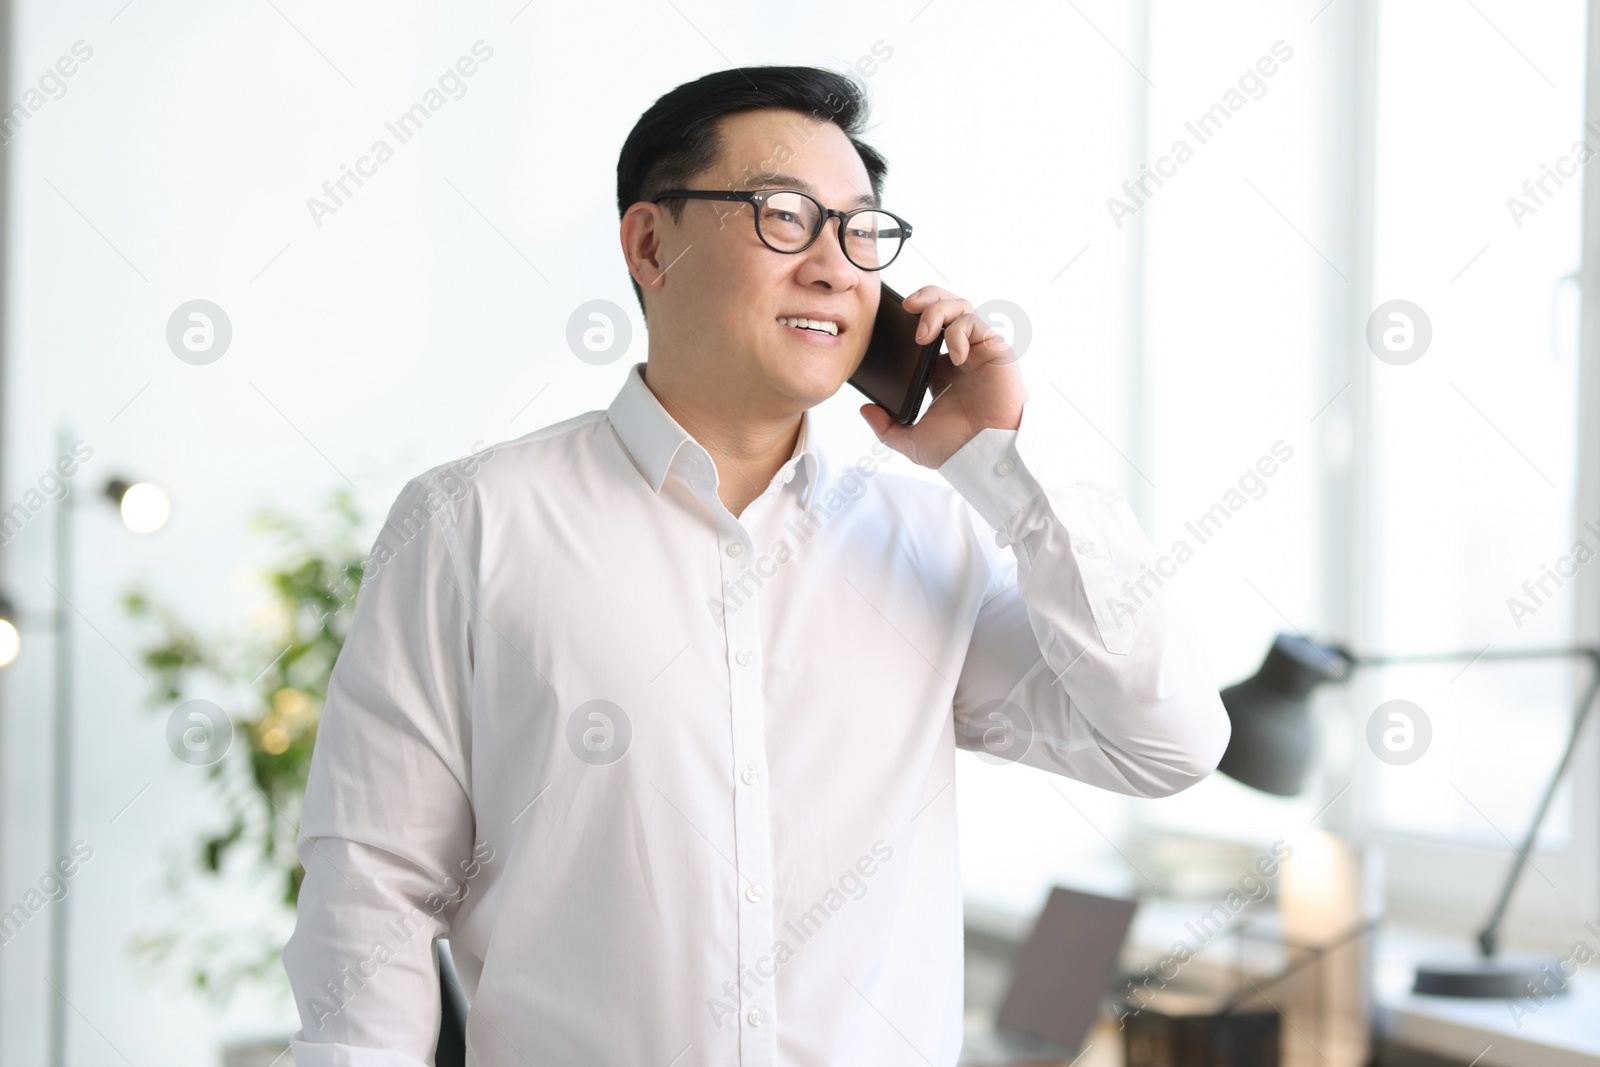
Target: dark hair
<point>677,138</point>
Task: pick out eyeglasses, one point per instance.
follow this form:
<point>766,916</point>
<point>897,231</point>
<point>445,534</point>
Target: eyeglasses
<point>790,221</point>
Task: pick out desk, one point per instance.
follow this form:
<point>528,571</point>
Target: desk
<point>1565,1032</point>
<point>1104,1047</point>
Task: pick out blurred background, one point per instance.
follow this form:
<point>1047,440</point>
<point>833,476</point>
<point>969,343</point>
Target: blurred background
<point>162,152</point>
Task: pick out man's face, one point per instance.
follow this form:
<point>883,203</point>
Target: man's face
<point>724,291</point>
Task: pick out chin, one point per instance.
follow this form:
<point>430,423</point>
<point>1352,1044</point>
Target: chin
<point>815,380</point>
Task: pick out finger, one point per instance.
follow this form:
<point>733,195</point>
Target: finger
<point>928,294</point>
<point>957,340</point>
<point>991,344</point>
<point>938,315</point>
<point>978,339</point>
<point>974,337</point>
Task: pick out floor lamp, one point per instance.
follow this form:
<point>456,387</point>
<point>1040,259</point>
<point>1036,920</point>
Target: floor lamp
<point>144,509</point>
<point>1271,749</point>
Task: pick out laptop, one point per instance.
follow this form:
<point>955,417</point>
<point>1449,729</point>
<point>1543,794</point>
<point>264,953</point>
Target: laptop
<point>1063,972</point>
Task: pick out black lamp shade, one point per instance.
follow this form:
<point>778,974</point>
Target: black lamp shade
<point>116,489</point>
<point>1270,713</point>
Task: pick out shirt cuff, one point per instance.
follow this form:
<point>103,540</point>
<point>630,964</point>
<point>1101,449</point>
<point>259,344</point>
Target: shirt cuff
<point>990,473</point>
<point>1002,472</point>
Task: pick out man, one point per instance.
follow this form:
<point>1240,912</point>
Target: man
<point>655,715</point>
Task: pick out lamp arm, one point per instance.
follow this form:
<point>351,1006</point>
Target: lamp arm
<point>1489,936</point>
<point>1591,653</point>
<point>1313,954</point>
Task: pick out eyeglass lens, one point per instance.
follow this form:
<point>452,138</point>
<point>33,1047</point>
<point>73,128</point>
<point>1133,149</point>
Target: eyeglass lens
<point>787,221</point>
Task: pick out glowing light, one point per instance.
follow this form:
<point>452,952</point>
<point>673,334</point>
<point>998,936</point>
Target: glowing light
<point>145,507</point>
<point>10,643</point>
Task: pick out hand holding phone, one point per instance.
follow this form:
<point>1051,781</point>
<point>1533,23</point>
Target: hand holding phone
<point>976,385</point>
<point>895,372</point>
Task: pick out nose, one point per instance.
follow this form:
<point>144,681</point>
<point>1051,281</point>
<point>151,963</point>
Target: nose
<point>825,262</point>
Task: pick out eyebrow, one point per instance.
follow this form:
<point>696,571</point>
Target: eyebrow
<point>780,179</point>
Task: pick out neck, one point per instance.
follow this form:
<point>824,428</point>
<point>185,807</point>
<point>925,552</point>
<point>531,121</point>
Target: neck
<point>747,445</point>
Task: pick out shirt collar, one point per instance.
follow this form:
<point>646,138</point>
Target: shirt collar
<point>652,437</point>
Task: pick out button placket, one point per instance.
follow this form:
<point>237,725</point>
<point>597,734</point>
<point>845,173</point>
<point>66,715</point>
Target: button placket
<point>752,828</point>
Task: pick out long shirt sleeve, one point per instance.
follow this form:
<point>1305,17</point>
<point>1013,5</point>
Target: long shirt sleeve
<point>1080,663</point>
<point>386,836</point>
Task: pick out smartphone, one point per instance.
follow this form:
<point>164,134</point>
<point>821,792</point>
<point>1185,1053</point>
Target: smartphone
<point>894,373</point>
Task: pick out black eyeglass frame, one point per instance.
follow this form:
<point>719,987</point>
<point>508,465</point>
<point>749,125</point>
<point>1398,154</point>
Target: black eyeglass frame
<point>755,197</point>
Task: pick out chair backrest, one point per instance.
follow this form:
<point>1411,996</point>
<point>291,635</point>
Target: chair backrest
<point>453,1007</point>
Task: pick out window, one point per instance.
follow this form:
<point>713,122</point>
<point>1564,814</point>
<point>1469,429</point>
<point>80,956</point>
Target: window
<point>1473,447</point>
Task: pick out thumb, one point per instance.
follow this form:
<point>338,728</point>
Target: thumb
<point>883,426</point>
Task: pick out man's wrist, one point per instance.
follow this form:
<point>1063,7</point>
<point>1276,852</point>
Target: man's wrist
<point>990,474</point>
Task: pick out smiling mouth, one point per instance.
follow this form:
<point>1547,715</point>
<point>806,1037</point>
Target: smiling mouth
<point>824,326</point>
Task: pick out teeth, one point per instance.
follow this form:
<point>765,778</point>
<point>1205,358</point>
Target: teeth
<point>820,325</point>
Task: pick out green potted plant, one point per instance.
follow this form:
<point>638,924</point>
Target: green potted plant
<point>234,890</point>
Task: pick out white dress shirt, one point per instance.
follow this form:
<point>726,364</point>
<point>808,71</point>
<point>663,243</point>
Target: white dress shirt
<point>676,784</point>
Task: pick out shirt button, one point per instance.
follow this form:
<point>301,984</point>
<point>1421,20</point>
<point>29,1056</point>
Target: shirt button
<point>1085,548</point>
<point>754,893</point>
<point>1004,467</point>
<point>736,548</point>
<point>750,777</point>
<point>744,657</point>
<point>755,1017</point>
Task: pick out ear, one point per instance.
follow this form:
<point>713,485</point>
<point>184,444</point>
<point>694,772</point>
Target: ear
<point>641,230</point>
